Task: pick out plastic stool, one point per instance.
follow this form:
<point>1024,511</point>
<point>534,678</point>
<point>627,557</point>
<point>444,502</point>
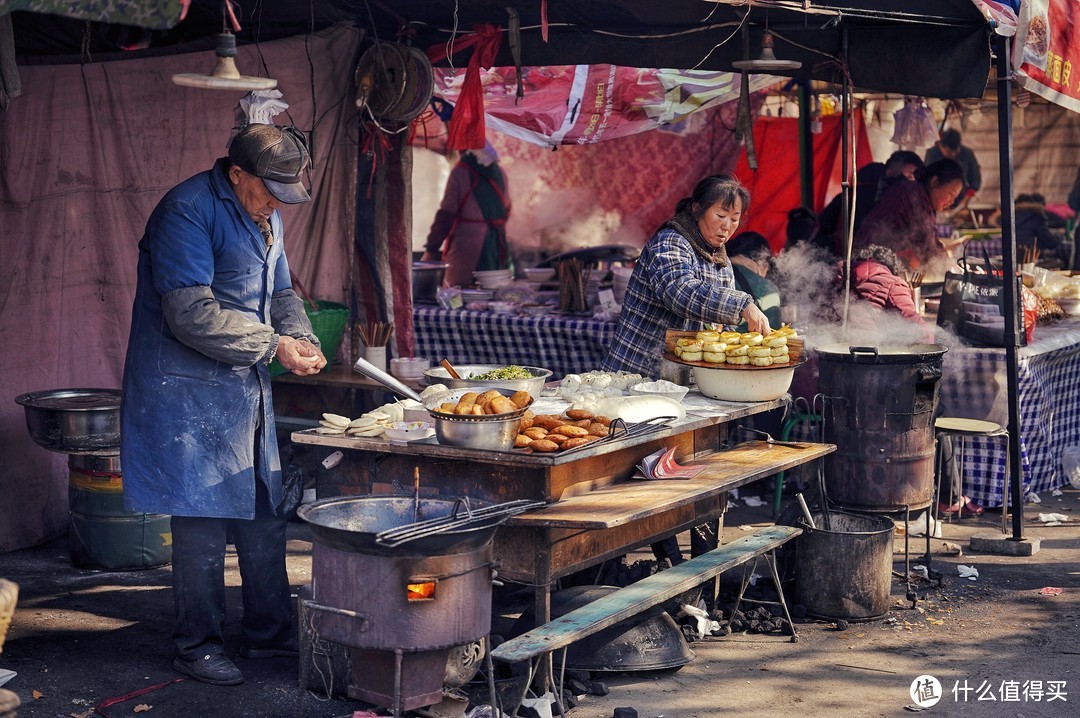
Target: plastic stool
<point>951,426</point>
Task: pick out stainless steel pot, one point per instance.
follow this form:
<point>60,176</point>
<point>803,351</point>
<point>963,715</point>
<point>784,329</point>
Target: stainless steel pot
<point>73,420</point>
<point>427,277</point>
<point>534,385</point>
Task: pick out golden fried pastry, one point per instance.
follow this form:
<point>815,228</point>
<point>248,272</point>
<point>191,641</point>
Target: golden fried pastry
<point>543,446</point>
<point>535,432</point>
<point>694,355</point>
<point>730,337</point>
<point>761,361</point>
<point>602,420</point>
<point>597,429</point>
<point>736,350</point>
<point>775,340</point>
<point>714,357</point>
<point>738,360</point>
<point>570,430</point>
<point>707,336</point>
<point>501,405</point>
<point>522,441</point>
<point>717,346</point>
<point>760,351</point>
<point>783,359</point>
<point>579,441</point>
<point>751,339</point>
<point>577,414</point>
<point>778,352</point>
<point>521,399</point>
<point>557,438</point>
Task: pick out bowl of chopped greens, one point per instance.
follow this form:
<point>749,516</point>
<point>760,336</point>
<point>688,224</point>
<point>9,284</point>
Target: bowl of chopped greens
<point>489,376</point>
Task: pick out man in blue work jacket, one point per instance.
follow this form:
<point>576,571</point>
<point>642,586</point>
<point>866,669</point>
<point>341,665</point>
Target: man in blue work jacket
<point>214,304</point>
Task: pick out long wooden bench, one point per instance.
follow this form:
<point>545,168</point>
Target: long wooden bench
<point>642,595</point>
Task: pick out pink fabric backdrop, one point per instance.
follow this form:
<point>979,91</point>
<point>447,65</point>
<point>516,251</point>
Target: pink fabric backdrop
<point>87,153</point>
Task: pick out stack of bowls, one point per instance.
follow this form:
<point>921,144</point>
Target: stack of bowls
<point>493,278</point>
<point>540,274</point>
<point>480,296</point>
<point>409,368</point>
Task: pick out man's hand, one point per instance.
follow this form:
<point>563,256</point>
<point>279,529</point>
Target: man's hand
<point>300,356</point>
<point>756,321</point>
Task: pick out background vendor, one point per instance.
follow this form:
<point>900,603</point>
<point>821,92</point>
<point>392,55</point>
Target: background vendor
<point>751,260</point>
<point>469,231</point>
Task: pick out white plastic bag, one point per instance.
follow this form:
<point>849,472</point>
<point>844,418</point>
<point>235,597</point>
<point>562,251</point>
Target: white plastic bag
<point>1070,462</point>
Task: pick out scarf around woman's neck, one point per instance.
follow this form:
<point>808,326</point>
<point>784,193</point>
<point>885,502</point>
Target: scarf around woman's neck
<point>687,226</point>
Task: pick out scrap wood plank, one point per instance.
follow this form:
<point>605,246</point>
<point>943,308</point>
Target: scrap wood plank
<point>644,594</point>
<point>626,501</point>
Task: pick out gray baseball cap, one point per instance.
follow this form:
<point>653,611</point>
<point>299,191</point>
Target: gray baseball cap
<point>277,155</point>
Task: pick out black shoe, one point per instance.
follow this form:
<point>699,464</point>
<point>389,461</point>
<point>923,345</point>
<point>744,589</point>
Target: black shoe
<point>285,649</point>
<point>213,668</point>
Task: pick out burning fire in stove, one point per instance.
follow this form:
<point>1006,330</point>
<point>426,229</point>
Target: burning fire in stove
<point>420,591</point>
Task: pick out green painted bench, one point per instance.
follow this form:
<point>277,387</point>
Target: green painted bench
<point>644,594</point>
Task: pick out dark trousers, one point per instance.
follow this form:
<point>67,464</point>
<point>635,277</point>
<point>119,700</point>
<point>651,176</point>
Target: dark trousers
<point>198,568</point>
<point>702,540</point>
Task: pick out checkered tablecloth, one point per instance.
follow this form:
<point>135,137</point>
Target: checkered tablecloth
<point>563,344</point>
<point>973,385</point>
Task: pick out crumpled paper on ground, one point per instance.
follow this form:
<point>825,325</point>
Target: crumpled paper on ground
<point>541,705</point>
<point>969,572</point>
<point>703,625</point>
<point>1053,519</point>
<point>918,526</point>
<point>753,502</point>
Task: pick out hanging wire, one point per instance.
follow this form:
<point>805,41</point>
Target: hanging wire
<point>453,36</point>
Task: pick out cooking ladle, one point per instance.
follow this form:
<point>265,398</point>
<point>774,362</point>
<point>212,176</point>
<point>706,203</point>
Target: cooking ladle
<point>445,364</point>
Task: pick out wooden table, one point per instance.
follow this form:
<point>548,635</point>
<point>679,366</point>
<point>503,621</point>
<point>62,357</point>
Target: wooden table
<point>595,511</point>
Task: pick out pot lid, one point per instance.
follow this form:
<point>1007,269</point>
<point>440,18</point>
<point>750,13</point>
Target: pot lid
<point>882,352</point>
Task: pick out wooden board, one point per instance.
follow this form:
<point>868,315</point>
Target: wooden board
<point>642,595</point>
<point>632,500</point>
<point>796,354</point>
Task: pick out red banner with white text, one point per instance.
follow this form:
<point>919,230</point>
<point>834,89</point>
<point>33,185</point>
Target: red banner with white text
<point>1046,54</point>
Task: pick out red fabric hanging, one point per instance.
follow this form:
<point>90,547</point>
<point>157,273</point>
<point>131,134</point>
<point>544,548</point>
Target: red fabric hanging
<point>774,188</point>
<point>466,128</point>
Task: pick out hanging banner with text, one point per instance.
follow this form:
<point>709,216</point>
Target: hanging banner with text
<point>1046,55</point>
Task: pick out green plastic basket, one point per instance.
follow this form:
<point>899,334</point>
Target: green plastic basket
<point>328,322</point>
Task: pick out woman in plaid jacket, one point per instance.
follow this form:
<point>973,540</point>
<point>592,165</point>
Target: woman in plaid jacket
<point>683,279</point>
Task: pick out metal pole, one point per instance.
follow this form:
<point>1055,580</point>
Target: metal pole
<point>1008,253</point>
<point>806,148</point>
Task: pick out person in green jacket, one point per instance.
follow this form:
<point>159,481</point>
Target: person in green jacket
<point>751,259</point>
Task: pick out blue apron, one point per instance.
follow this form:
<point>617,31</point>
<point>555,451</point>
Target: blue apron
<point>191,425</point>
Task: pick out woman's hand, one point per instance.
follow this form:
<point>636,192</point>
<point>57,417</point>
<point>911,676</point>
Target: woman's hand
<point>299,356</point>
<point>756,321</point>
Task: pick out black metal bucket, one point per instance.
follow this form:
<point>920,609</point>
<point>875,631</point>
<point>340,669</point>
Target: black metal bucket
<point>845,573</point>
<point>879,411</point>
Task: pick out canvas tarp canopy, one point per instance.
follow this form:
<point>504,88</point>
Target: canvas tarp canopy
<point>117,135</point>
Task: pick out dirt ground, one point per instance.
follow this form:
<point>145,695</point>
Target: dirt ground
<point>997,645</point>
